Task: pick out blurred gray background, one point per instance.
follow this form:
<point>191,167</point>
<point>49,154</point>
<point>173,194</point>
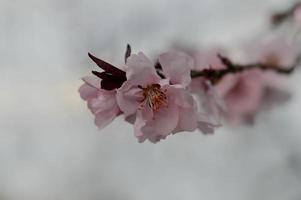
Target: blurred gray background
<point>49,146</point>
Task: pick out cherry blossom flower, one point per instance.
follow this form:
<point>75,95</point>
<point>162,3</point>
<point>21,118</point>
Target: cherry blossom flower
<point>235,97</point>
<point>189,89</point>
<point>162,106</point>
<point>247,93</point>
<point>185,91</point>
<point>102,103</point>
<point>242,94</point>
<point>210,106</point>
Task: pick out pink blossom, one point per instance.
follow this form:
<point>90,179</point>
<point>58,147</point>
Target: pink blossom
<point>248,92</point>
<point>210,106</point>
<point>237,97</point>
<point>242,94</point>
<point>275,52</point>
<point>161,106</point>
<point>102,103</point>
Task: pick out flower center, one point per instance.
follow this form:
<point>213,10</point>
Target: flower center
<point>153,97</point>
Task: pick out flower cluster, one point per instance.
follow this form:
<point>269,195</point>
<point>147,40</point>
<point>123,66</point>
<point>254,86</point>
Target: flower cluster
<point>187,89</point>
<point>161,101</point>
<point>176,93</point>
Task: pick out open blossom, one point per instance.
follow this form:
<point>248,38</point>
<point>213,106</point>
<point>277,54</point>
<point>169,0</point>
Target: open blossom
<point>102,103</point>
<point>160,101</point>
<point>185,92</point>
<point>161,106</point>
<point>242,94</point>
<point>236,96</point>
<point>248,92</point>
<point>211,107</point>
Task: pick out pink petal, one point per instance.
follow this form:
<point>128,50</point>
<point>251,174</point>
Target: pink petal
<point>129,98</point>
<point>104,118</point>
<point>186,105</point>
<point>187,119</point>
<point>225,85</point>
<point>158,126</point>
<point>104,101</point>
<point>177,66</point>
<point>210,106</point>
<point>92,81</point>
<point>139,124</point>
<point>162,124</point>
<point>141,119</point>
<point>244,98</point>
<point>86,91</point>
<point>179,95</point>
<point>140,70</point>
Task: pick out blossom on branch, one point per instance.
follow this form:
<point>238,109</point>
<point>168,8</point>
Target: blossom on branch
<point>188,89</point>
<point>161,106</point>
<point>177,93</point>
<point>102,103</point>
<point>158,99</point>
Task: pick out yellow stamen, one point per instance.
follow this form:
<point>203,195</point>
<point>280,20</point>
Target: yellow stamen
<point>154,97</point>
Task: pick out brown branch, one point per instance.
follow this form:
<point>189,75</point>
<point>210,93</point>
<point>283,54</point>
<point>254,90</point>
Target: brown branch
<point>214,75</point>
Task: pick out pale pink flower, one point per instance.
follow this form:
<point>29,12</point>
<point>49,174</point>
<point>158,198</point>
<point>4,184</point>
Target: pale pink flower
<point>161,106</point>
<point>102,103</point>
<point>236,97</point>
<point>248,92</point>
<point>275,52</point>
<point>210,106</point>
<point>242,94</point>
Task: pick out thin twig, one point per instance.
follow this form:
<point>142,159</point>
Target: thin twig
<point>128,52</point>
<point>215,75</point>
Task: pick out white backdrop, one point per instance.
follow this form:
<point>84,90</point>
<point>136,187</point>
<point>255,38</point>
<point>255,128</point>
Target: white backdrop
<point>49,146</point>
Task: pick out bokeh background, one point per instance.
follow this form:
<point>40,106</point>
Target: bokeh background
<point>49,146</point>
